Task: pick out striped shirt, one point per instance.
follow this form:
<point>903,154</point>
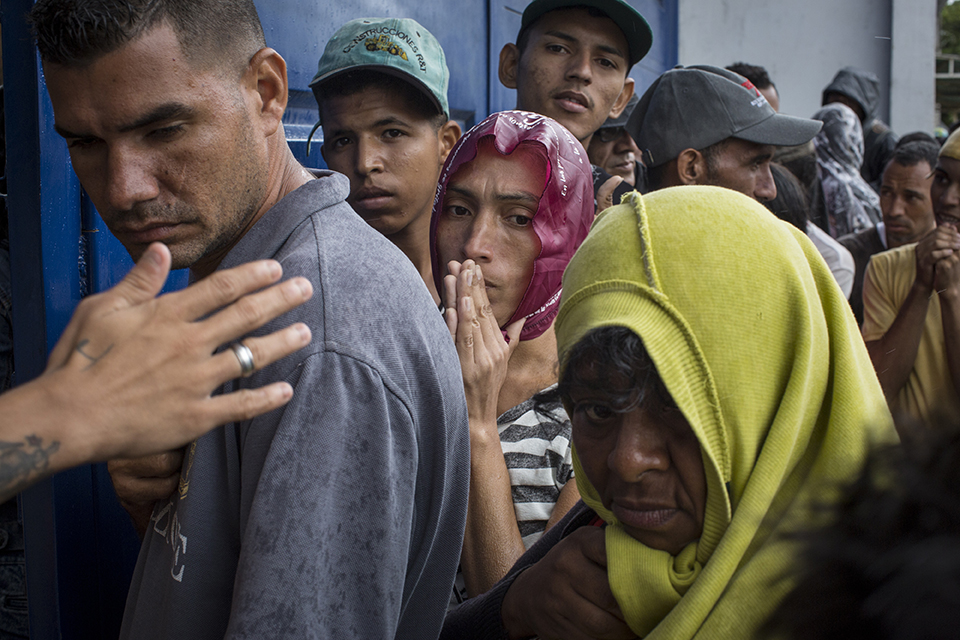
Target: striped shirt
<point>536,443</point>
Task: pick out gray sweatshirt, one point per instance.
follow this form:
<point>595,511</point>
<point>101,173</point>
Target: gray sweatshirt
<point>340,515</point>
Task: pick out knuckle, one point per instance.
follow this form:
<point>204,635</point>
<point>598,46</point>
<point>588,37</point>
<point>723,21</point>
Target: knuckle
<point>228,284</point>
<point>249,403</point>
<point>248,310</point>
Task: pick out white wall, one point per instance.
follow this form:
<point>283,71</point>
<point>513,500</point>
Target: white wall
<point>912,66</point>
<point>803,44</point>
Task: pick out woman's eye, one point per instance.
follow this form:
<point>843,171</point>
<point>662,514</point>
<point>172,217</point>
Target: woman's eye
<point>596,412</point>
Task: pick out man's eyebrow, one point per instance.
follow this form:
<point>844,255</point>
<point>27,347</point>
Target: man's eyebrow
<point>760,157</point>
<point>168,111</point>
<point>914,192</point>
<point>383,122</point>
<point>606,48</point>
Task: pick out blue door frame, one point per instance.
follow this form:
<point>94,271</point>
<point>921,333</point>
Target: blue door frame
<point>80,545</point>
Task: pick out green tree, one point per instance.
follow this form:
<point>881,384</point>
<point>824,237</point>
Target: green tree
<point>950,29</point>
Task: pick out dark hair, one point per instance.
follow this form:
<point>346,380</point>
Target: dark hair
<point>888,566</point>
<point>913,153</point>
<point>353,82</point>
<point>657,176</point>
<point>916,136</point>
<point>211,32</point>
<point>613,360</point>
<point>757,75</point>
<point>791,203</point>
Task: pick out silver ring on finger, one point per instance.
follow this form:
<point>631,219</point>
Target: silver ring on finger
<point>245,357</point>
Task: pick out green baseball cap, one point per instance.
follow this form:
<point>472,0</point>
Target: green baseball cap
<point>635,28</point>
<point>397,46</point>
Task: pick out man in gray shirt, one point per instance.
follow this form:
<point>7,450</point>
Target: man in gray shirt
<point>340,515</point>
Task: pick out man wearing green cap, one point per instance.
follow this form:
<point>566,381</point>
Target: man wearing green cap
<point>571,60</point>
<point>381,87</point>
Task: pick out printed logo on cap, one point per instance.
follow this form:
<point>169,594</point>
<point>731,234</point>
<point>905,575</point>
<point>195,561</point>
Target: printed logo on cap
<point>760,100</point>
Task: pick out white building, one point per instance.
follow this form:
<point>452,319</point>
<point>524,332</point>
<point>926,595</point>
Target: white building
<point>803,44</point>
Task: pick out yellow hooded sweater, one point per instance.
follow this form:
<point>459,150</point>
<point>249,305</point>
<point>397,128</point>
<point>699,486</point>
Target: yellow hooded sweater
<point>759,349</point>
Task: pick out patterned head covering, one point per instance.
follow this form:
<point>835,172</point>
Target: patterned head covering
<point>756,344</point>
<point>562,219</point>
<point>851,203</point>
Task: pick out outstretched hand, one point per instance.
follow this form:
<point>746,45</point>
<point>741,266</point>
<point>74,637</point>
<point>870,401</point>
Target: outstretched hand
<point>484,353</point>
<point>146,360</point>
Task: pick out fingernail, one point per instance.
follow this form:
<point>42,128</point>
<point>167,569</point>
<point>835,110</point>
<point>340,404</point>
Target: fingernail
<point>306,288</point>
<point>304,332</point>
<point>470,277</point>
<point>467,303</point>
<point>152,257</point>
<point>274,268</point>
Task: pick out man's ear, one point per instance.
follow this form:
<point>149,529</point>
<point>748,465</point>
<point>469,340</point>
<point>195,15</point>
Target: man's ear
<point>509,60</point>
<point>269,70</point>
<point>448,135</point>
<point>623,98</point>
<point>691,167</point>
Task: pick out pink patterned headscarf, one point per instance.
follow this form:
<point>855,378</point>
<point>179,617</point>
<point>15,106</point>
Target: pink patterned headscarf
<point>563,217</point>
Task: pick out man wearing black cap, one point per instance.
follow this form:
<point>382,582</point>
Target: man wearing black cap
<point>706,125</point>
<point>571,60</point>
<point>614,151</point>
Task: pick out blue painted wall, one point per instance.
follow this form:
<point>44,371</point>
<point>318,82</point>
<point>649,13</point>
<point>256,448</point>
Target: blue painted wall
<point>80,544</point>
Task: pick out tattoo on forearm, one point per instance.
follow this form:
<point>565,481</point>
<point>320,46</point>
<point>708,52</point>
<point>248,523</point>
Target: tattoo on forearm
<point>20,462</point>
<point>93,359</point>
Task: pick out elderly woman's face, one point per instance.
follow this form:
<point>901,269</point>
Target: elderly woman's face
<point>645,463</point>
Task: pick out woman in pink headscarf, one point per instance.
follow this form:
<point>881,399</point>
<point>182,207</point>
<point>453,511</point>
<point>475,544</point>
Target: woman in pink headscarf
<point>515,201</point>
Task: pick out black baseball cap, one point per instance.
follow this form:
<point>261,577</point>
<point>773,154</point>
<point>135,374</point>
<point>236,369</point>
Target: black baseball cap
<point>621,120</point>
<point>635,28</point>
<point>695,107</point>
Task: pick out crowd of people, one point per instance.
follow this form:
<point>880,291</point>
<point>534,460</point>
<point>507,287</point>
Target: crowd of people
<point>613,364</point>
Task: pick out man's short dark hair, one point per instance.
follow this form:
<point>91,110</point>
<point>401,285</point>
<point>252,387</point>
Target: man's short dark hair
<point>353,82</point>
<point>913,153</point>
<point>757,75</point>
<point>657,176</point>
<point>211,32</point>
<point>916,136</point>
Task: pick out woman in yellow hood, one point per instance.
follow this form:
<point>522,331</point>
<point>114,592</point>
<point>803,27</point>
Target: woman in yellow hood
<point>718,387</point>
